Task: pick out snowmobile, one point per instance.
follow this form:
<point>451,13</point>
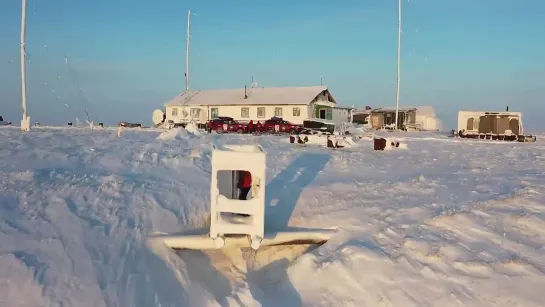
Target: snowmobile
<point>238,223</point>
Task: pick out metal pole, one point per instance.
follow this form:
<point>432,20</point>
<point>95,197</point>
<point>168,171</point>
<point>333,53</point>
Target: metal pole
<point>398,62</point>
<point>187,52</point>
<point>24,123</point>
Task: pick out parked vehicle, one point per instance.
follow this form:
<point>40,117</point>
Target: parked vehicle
<point>4,123</point>
<point>227,124</point>
<point>130,125</point>
<point>320,125</point>
<point>278,125</point>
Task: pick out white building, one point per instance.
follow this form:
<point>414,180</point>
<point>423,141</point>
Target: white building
<point>293,104</point>
<point>421,118</point>
<point>426,119</point>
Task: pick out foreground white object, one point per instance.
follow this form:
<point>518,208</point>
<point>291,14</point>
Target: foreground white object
<point>227,227</point>
<point>233,158</point>
<point>205,242</point>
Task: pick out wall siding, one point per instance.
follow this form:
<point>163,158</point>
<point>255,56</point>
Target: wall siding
<point>235,113</point>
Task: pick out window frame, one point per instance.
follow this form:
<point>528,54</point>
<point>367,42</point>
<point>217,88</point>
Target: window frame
<point>247,112</point>
<point>192,112</point>
<point>212,113</point>
<point>264,112</point>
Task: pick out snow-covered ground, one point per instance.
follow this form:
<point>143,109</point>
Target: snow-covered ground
<point>444,222</point>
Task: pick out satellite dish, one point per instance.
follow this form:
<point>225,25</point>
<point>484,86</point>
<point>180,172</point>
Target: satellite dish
<point>157,117</point>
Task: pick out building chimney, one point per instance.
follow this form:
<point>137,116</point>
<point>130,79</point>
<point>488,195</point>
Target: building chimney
<point>245,93</point>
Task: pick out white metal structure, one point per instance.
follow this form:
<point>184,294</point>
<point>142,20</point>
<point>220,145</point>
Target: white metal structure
<point>25,122</point>
<point>228,159</point>
<point>398,61</point>
<point>187,51</point>
<point>227,227</point>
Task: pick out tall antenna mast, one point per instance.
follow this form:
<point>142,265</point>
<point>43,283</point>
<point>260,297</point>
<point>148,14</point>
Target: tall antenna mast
<point>187,51</point>
<point>25,122</point>
<point>398,61</point>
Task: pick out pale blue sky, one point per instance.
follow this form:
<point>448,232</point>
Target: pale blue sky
<point>127,57</point>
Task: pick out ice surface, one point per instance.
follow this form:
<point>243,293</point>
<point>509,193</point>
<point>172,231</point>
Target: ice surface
<point>449,222</point>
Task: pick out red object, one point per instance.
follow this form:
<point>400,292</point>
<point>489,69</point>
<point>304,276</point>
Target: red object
<point>245,179</point>
<point>276,124</point>
<point>379,144</point>
<point>226,124</point>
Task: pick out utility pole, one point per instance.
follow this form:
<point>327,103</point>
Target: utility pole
<point>187,51</point>
<point>398,62</point>
<point>25,122</point>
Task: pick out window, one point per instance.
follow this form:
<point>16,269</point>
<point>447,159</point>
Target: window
<point>323,114</point>
<point>261,112</point>
<point>195,113</point>
<point>278,112</point>
<point>244,112</point>
<point>214,113</point>
<point>470,124</point>
<point>174,111</point>
<point>296,112</point>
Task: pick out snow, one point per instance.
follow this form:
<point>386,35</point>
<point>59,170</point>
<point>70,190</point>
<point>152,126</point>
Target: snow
<point>192,128</point>
<point>190,131</point>
<point>447,222</point>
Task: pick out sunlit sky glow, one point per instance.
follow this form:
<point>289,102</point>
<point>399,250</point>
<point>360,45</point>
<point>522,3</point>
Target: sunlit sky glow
<point>125,58</point>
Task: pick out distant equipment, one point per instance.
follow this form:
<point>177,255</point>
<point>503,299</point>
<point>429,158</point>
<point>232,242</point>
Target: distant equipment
<point>4,123</point>
<point>157,117</point>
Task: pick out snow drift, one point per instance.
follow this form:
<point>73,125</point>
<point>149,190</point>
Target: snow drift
<point>190,131</point>
<point>447,223</point>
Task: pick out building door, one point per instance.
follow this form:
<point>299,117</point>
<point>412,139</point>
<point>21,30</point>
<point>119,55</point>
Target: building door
<point>323,113</point>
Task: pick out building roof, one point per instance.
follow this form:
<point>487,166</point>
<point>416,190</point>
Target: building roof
<point>393,109</point>
<point>491,112</point>
<point>256,96</point>
<point>358,112</point>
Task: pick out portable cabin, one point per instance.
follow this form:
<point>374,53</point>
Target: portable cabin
<point>504,125</point>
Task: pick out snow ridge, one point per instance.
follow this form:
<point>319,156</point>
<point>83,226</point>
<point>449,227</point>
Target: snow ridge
<point>444,222</point>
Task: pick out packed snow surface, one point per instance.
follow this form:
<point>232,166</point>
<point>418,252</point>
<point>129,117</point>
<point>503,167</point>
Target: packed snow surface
<point>445,222</point>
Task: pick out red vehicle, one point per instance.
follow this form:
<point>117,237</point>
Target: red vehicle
<point>227,124</point>
<point>278,125</point>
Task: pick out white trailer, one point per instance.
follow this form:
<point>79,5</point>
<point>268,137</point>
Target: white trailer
<point>505,126</point>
